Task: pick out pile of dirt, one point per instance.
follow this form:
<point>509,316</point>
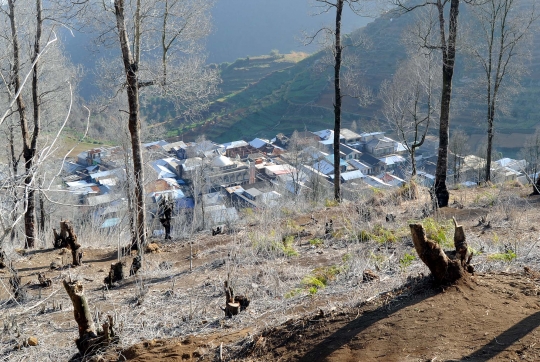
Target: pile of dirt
<point>491,317</point>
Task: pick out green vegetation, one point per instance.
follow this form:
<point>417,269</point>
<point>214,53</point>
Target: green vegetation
<point>330,203</point>
<point>316,242</point>
<point>382,235</point>
<point>286,246</point>
<point>405,261</point>
<point>282,92</point>
<point>320,277</point>
<point>440,232</point>
<point>507,256</point>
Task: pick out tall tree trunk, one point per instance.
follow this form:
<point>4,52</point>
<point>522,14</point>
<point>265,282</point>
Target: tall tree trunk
<point>132,87</point>
<point>41,213</point>
<point>413,162</point>
<point>15,170</point>
<point>449,58</point>
<point>28,145</point>
<point>489,148</point>
<point>337,101</point>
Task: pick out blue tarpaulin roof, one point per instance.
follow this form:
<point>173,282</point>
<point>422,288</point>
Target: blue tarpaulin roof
<point>110,222</point>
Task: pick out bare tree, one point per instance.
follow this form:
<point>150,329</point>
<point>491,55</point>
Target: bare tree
<point>442,34</point>
<point>531,153</point>
<point>409,104</point>
<point>499,32</point>
<point>175,69</point>
<point>29,29</point>
<point>357,6</point>
<point>459,146</point>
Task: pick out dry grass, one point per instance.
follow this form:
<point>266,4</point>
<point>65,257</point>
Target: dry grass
<point>167,300</point>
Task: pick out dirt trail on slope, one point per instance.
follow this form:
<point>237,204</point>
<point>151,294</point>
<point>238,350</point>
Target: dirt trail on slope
<point>490,318</point>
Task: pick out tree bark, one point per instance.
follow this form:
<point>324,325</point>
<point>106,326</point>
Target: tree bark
<point>132,88</point>
<point>89,341</point>
<point>449,58</point>
<point>117,273</point>
<point>337,101</point>
<point>28,150</point>
<point>231,307</point>
<point>444,268</point>
<point>68,239</point>
<point>536,188</point>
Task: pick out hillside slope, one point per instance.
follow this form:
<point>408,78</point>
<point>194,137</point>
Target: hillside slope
<point>302,95</point>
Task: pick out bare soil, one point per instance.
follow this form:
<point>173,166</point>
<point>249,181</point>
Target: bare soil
<point>488,318</point>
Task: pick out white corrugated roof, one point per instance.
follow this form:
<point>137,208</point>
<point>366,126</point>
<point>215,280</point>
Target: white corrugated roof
<point>258,143</point>
<point>351,175</point>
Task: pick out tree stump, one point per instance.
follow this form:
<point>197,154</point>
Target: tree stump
<point>68,239</point>
<point>116,273</point>
<point>231,307</point>
<point>135,265</point>
<point>18,289</point>
<point>89,341</point>
<point>3,258</point>
<point>243,301</point>
<point>44,281</point>
<point>444,268</point>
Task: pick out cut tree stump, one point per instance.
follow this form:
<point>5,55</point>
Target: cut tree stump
<point>445,268</point>
<point>18,289</point>
<point>89,341</point>
<point>68,239</point>
<point>231,307</point>
<point>117,273</point>
<point>135,265</point>
<point>3,259</point>
<point>44,281</point>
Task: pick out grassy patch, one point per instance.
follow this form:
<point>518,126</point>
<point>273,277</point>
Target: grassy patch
<point>440,232</point>
<point>405,261</point>
<point>318,279</point>
<point>330,203</point>
<point>508,256</point>
<point>316,242</point>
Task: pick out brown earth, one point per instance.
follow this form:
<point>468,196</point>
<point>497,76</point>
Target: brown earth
<point>489,318</point>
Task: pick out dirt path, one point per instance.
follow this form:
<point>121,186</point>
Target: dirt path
<point>494,317</point>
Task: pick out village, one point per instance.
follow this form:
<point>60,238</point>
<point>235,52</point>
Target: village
<point>223,179</point>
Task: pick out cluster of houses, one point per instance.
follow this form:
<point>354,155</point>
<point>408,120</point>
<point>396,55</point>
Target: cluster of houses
<point>220,179</point>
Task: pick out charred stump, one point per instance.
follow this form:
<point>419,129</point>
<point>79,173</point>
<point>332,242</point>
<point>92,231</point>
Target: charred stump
<point>18,289</point>
<point>68,239</point>
<point>243,301</point>
<point>3,259</point>
<point>446,268</point>
<point>89,341</point>
<point>135,265</point>
<point>217,231</point>
<point>116,273</point>
<point>44,282</point>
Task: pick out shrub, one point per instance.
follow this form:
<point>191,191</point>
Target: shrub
<point>316,242</point>
<point>286,246</point>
